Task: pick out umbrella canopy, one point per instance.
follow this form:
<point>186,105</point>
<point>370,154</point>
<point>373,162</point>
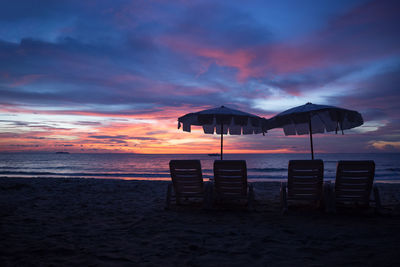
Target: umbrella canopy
<point>311,118</point>
<point>223,120</point>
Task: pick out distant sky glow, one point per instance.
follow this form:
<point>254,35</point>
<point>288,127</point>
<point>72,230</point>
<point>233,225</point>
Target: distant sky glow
<point>114,76</point>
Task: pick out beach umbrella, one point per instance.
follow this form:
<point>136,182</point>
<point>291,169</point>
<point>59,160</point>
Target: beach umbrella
<point>223,120</point>
<point>311,118</point>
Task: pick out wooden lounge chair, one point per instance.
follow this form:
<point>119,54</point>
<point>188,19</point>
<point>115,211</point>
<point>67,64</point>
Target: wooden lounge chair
<point>187,182</point>
<point>230,180</point>
<point>305,183</point>
<point>353,185</point>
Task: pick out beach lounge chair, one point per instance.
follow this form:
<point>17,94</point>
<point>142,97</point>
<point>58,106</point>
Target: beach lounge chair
<point>187,182</point>
<point>230,182</point>
<point>353,185</point>
<point>305,183</point>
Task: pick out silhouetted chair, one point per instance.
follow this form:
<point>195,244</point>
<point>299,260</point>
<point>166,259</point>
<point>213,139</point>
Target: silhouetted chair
<point>187,182</point>
<point>353,185</point>
<point>305,183</point>
<point>230,182</point>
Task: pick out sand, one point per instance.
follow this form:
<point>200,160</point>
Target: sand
<point>92,222</point>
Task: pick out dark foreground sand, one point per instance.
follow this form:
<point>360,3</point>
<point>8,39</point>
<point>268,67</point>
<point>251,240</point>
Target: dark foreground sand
<point>90,222</point>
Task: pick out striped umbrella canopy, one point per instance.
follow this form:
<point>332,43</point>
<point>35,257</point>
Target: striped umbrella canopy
<point>311,118</point>
<point>223,120</point>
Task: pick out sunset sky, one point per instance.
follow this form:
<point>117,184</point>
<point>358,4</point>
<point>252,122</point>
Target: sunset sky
<point>114,76</point>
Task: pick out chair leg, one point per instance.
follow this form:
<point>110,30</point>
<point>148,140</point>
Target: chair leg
<point>284,203</point>
<point>168,198</point>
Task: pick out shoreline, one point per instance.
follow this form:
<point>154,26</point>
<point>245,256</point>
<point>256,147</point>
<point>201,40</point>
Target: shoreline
<point>168,179</point>
<point>53,221</point>
<point>266,190</point>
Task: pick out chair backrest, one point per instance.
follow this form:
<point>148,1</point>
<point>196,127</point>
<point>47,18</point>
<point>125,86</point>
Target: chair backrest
<point>230,178</point>
<point>187,177</point>
<point>305,179</point>
<point>354,181</point>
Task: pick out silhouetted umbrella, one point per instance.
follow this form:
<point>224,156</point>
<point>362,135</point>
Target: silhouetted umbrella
<point>221,120</point>
<point>311,118</point>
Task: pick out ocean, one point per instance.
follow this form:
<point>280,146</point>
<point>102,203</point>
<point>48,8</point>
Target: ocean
<point>261,167</point>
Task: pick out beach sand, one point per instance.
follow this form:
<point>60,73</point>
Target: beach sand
<point>93,222</point>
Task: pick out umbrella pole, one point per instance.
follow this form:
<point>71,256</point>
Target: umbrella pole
<point>222,139</point>
<point>311,142</point>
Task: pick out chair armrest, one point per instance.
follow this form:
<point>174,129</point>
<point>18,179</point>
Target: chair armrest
<point>208,195</point>
<point>168,198</point>
<point>327,196</point>
<point>283,185</point>
<point>251,196</point>
<point>251,189</point>
<point>377,199</point>
<point>283,194</point>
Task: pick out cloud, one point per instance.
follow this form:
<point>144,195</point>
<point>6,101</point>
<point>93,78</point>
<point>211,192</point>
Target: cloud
<point>89,123</point>
<point>117,137</point>
<point>15,123</point>
<point>108,136</point>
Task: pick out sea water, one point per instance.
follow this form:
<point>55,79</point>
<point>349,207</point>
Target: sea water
<point>261,167</point>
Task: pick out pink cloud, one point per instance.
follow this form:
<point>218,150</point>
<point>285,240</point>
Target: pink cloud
<point>363,34</point>
<point>240,59</point>
<point>26,79</point>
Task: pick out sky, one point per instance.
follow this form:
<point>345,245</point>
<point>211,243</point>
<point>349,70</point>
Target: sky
<point>114,76</point>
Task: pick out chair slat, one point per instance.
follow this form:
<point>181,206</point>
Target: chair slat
<point>349,186</point>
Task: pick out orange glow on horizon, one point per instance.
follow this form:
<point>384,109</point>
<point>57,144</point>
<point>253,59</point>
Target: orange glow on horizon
<point>146,133</point>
